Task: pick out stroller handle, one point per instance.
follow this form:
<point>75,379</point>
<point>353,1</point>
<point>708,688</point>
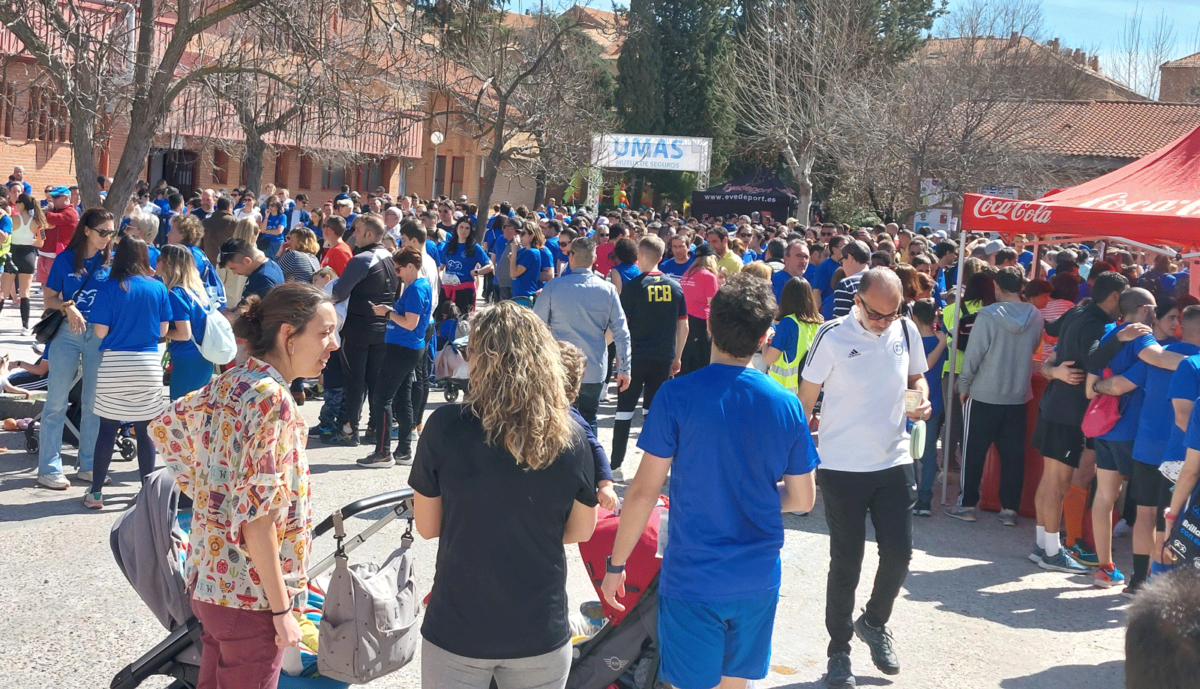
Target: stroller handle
<point>394,497</point>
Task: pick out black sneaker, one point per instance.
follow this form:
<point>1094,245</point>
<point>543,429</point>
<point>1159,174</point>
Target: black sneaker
<point>879,640</point>
<point>403,459</point>
<point>923,509</point>
<point>343,439</point>
<point>839,676</point>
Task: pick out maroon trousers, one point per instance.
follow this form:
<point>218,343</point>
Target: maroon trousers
<point>239,648</point>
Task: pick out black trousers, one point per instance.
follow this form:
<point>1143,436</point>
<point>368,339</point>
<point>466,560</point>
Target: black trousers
<point>1004,425</point>
<point>644,376</point>
<point>420,379</point>
<point>888,496</point>
<point>697,351</point>
<point>362,362</point>
<point>394,386</point>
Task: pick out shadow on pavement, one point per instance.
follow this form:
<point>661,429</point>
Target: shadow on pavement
<point>1110,675</point>
<point>859,681</point>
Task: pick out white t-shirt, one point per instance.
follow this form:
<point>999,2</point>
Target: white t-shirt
<point>863,425</point>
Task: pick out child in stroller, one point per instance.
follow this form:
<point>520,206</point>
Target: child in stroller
<point>451,372</point>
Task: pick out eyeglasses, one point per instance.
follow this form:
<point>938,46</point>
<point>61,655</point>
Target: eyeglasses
<point>874,316</point>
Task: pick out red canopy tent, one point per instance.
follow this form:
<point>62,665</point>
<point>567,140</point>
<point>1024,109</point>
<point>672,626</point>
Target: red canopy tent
<point>1155,199</point>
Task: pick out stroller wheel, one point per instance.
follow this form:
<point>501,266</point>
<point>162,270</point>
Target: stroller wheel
<point>127,447</point>
<point>451,394</point>
<point>31,444</point>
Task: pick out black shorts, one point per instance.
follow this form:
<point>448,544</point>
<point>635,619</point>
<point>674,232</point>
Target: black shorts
<point>1144,484</point>
<point>21,260</point>
<point>1059,441</point>
<point>1115,455</point>
<point>1166,489</point>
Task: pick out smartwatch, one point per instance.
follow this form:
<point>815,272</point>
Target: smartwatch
<point>611,568</point>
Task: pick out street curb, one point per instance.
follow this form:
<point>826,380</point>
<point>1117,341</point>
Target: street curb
<point>16,408</point>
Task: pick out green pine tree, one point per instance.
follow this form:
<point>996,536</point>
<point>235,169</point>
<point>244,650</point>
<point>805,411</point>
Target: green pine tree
<point>639,93</point>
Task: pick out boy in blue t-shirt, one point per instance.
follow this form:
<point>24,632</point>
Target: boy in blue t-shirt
<point>924,314</point>
<point>740,454</point>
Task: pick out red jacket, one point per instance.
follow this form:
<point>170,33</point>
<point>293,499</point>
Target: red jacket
<point>62,226</point>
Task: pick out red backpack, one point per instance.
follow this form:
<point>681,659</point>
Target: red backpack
<point>640,569</point>
<point>1103,412</point>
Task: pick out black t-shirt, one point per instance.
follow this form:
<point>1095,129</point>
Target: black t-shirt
<point>1078,331</point>
<point>653,305</point>
<point>500,586</point>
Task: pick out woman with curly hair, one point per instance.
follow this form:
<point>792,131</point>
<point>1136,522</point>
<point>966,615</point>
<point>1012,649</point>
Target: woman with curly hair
<point>503,480</point>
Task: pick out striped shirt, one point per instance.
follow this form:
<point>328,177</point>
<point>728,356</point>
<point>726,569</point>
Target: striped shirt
<point>843,294</point>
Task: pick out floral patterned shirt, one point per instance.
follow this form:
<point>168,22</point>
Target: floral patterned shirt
<point>236,446</point>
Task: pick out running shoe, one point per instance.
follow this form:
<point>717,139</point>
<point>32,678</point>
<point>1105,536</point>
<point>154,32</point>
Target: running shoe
<point>966,514</point>
<point>320,431</point>
<point>1007,517</point>
<point>1062,562</point>
<point>343,439</point>
<point>86,477</point>
<point>53,481</point>
<point>404,459</point>
<point>377,461</point>
<point>1082,555</point>
<point>93,501</point>
<point>1121,530</point>
<point>839,675</point>
<point>1106,579</point>
<point>879,640</point>
<point>26,332</point>
<point>1037,555</point>
<point>923,509</point>
<point>1131,590</point>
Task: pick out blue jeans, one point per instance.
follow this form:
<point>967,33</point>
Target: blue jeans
<point>67,350</point>
<point>933,430</point>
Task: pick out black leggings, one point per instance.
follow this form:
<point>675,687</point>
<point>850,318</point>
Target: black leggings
<point>698,350</point>
<point>395,383</point>
<point>645,376</point>
<point>104,451</point>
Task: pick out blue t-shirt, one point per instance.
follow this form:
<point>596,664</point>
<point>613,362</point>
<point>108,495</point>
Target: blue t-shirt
<point>134,313</point>
<point>778,280</point>
<point>786,338</point>
<point>460,264</point>
<point>526,284</point>
<point>1130,404</point>
<point>1158,414</point>
<point>733,433</point>
<point>1185,385</point>
<point>185,308</point>
<point>556,253</point>
<point>627,271</point>
<point>547,264</point>
<point>153,252</point>
<point>432,248</point>
<point>824,276</point>
<point>275,222</point>
<point>6,224</point>
<point>673,267</point>
<point>749,257</point>
<point>263,280</point>
<point>1026,260</point>
<point>447,330</point>
<point>933,375</point>
<point>64,280</point>
<point>417,298</point>
<point>496,241</point>
<point>810,273</point>
<point>1191,439</point>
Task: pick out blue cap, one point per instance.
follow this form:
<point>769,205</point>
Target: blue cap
<point>60,191</point>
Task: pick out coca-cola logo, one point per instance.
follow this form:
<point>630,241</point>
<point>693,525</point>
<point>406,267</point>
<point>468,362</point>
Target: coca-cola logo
<point>1016,211</point>
<point>1120,202</point>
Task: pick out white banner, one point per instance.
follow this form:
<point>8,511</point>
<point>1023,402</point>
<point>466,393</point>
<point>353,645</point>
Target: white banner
<point>634,151</point>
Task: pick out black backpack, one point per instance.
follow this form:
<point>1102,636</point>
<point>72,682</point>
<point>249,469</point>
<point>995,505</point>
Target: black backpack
<point>966,322</point>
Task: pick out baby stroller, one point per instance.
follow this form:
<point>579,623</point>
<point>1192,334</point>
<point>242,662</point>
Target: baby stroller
<point>149,544</point>
<point>624,653</point>
<point>126,445</point>
<point>450,368</point>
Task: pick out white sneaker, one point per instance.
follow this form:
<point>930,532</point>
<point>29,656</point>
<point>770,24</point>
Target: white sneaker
<point>26,332</point>
<point>53,481</point>
<point>1121,529</point>
<point>86,477</point>
<point>618,474</point>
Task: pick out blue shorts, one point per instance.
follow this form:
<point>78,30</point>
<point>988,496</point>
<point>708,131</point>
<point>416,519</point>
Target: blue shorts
<point>701,642</point>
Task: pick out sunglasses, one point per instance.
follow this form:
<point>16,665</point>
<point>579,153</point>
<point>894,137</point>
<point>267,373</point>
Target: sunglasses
<point>745,235</point>
<point>104,233</point>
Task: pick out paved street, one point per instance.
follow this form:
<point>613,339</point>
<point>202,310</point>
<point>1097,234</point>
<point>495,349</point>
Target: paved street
<point>974,612</point>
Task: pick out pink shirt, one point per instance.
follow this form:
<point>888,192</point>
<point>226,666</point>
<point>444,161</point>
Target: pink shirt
<point>698,289</point>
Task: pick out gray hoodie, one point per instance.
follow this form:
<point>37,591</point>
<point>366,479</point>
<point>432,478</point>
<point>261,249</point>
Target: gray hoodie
<point>996,365</point>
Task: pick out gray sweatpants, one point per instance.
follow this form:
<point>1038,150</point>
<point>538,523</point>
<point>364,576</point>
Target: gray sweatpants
<point>441,669</point>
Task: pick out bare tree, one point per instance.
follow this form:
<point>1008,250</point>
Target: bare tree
<point>1140,49</point>
<point>790,61</point>
<point>528,89</point>
<point>958,112</point>
<point>116,63</point>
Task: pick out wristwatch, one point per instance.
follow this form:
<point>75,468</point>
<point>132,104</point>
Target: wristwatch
<point>611,568</point>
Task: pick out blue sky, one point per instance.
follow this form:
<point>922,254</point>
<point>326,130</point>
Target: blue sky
<point>1097,24</point>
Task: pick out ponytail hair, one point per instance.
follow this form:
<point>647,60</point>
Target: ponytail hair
<point>293,303</point>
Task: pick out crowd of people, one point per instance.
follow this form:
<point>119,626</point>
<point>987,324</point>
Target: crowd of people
<point>740,340</point>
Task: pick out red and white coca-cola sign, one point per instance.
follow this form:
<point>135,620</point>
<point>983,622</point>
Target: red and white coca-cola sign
<point>1120,202</point>
<point>1016,211</point>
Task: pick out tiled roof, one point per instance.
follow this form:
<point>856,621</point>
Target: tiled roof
<point>1118,129</point>
<point>1192,60</point>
